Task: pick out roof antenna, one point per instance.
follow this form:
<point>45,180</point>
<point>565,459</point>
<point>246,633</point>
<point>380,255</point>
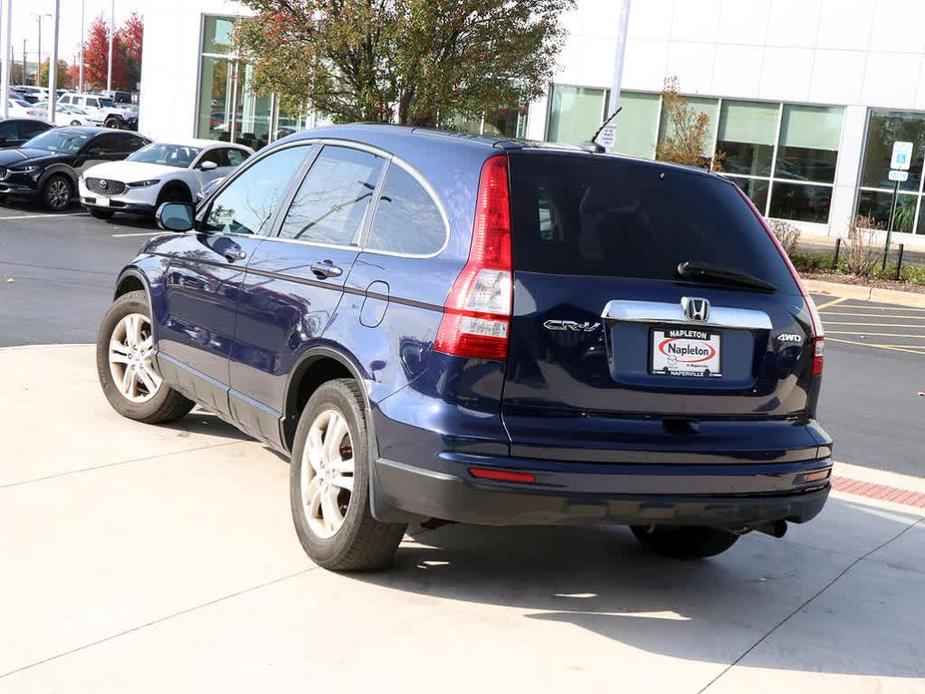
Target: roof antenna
<point>592,145</point>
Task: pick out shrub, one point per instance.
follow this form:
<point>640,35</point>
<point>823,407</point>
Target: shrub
<point>861,251</point>
<point>811,262</point>
<point>787,235</point>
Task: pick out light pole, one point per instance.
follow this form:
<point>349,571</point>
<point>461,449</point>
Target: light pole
<point>112,31</point>
<point>80,78</point>
<point>620,49</point>
<point>7,57</point>
<point>53,66</point>
<point>38,60</point>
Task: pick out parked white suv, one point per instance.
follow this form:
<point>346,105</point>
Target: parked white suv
<point>103,109</point>
<point>160,172</point>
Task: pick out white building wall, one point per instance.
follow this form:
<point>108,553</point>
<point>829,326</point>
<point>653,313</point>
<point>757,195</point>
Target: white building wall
<point>170,65</point>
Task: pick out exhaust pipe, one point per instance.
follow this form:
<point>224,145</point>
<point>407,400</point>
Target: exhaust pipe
<point>775,529</point>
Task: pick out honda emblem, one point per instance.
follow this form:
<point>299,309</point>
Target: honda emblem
<point>696,309</point>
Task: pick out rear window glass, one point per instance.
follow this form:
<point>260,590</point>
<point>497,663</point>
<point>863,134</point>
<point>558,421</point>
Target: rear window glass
<point>581,215</point>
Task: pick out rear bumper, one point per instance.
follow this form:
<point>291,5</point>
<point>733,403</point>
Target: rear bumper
<point>720,496</point>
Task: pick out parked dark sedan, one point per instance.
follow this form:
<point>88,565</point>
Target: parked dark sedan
<point>47,166</point>
<point>14,132</point>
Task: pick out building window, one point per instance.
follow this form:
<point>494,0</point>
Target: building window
<point>698,106</point>
<point>575,113</point>
<point>505,121</point>
<point>783,156</point>
<point>637,124</point>
<point>876,195</point>
<point>228,107</point>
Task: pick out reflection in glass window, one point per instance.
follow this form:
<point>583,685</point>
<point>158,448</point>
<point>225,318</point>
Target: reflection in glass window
<point>248,203</point>
<point>755,188</point>
<point>575,113</point>
<point>697,105</point>
<point>878,203</point>
<point>332,200</point>
<point>637,124</point>
<point>747,133</point>
<point>407,219</point>
<point>216,35</point>
<point>799,202</point>
<point>808,148</point>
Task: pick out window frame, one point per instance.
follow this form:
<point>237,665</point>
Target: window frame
<point>203,212</point>
<point>361,238</point>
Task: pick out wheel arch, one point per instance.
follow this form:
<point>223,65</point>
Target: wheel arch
<point>60,169</point>
<point>317,366</point>
<point>175,184</point>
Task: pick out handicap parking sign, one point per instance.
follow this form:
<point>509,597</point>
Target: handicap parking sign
<point>902,156</point>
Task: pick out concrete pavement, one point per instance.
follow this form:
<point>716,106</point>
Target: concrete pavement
<point>152,559</point>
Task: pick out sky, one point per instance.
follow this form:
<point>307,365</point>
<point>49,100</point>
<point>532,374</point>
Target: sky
<point>25,24</point>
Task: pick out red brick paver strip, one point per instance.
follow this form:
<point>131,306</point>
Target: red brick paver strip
<point>884,492</point>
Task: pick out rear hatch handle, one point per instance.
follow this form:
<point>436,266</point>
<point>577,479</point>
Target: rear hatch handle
<point>663,312</point>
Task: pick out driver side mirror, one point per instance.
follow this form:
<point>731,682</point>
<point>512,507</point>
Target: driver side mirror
<point>175,216</point>
<point>208,166</point>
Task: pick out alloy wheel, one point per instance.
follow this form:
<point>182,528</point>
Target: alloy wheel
<point>131,359</point>
<point>59,194</point>
<point>327,473</point>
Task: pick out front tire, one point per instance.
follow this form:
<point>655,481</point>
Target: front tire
<point>125,364</point>
<point>57,193</point>
<point>685,542</point>
<point>329,484</point>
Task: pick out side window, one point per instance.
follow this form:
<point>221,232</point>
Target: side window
<point>8,130</point>
<point>213,155</point>
<point>133,142</point>
<point>29,129</point>
<point>247,204</point>
<point>235,156</point>
<point>93,103</point>
<point>66,99</point>
<point>407,219</point>
<point>332,200</point>
<point>106,144</point>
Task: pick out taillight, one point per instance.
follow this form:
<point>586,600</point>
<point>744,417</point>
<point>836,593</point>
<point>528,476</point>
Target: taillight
<point>477,314</point>
<point>818,333</point>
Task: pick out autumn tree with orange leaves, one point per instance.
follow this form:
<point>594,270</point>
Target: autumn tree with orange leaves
<point>126,53</point>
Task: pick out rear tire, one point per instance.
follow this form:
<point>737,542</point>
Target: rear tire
<point>685,542</point>
<point>100,214</point>
<point>329,484</point>
<point>118,351</point>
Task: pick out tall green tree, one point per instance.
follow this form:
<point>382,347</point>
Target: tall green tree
<point>407,61</point>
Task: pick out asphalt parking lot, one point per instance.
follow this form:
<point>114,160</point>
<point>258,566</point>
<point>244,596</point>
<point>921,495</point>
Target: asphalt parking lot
<point>163,559</point>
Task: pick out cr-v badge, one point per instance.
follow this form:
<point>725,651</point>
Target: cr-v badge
<point>575,326</point>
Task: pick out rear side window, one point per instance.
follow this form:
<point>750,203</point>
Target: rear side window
<point>407,218</point>
<point>585,215</point>
<point>332,200</point>
<point>29,129</point>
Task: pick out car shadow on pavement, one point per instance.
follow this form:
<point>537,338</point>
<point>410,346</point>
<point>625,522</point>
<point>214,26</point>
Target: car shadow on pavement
<point>601,580</point>
<point>201,422</point>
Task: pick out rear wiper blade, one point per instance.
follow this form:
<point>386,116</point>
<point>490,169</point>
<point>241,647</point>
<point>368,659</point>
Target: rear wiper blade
<point>695,270</point>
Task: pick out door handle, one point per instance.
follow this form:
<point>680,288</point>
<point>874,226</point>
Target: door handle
<point>234,254</point>
<point>326,269</point>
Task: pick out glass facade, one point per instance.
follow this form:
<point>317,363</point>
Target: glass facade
<point>884,127</point>
<point>575,113</point>
<point>783,156</point>
<point>228,107</point>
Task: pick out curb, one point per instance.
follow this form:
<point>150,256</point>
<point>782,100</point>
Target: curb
<point>862,293</point>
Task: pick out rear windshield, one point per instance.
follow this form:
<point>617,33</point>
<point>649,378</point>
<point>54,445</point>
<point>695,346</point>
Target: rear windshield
<point>579,214</point>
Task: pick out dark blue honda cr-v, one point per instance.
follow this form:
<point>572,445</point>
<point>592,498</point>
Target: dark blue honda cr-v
<point>438,326</point>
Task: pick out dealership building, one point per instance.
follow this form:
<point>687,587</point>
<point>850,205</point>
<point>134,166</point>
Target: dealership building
<point>805,98</point>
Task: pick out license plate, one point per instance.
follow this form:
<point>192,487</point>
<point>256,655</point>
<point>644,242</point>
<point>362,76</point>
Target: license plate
<point>102,201</point>
<point>686,352</point>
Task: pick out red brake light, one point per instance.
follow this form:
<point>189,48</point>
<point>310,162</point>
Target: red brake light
<point>818,333</point>
<point>477,314</point>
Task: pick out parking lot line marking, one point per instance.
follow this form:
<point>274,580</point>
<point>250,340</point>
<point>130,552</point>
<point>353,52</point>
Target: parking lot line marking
<point>833,302</point>
<point>869,307</point>
<point>892,348</point>
<point>139,233</point>
<point>42,216</point>
<point>877,325</point>
<point>875,315</point>
<point>849,332</point>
